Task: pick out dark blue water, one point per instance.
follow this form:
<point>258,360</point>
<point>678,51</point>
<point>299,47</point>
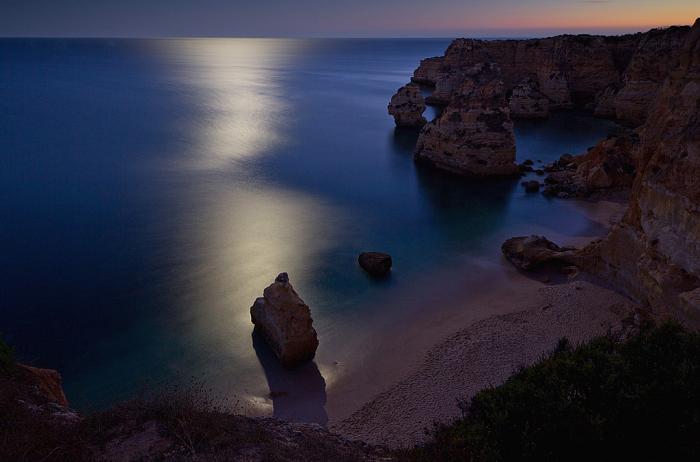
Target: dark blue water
<point>150,190</point>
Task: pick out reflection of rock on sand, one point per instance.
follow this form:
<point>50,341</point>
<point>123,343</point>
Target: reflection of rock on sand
<point>297,394</point>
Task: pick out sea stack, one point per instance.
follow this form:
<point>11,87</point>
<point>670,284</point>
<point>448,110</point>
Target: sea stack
<point>283,318</point>
<point>407,106</point>
<point>375,263</point>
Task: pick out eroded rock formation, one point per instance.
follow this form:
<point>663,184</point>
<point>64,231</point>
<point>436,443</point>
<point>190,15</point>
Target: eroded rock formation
<point>474,134</point>
<point>654,253</point>
<point>650,81</point>
<point>616,77</point>
<point>609,166</point>
<point>630,99</point>
<point>285,321</point>
<point>619,75</point>
<point>407,106</point>
<point>47,382</point>
<point>527,102</point>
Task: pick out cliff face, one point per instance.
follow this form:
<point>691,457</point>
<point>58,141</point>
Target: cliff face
<point>650,81</point>
<point>407,106</point>
<point>654,254</point>
<point>474,134</point>
<point>655,54</point>
<point>616,77</point>
<point>619,76</point>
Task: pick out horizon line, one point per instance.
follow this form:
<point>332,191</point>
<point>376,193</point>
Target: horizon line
<point>491,33</point>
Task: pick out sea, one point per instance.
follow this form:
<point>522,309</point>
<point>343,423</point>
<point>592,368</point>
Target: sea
<point>151,189</point>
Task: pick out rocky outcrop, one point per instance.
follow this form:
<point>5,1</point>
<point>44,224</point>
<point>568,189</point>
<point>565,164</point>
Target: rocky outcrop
<point>617,76</point>
<point>180,425</point>
<point>375,263</point>
<point>527,102</point>
<point>474,134</point>
<point>608,166</point>
<point>528,253</point>
<point>407,106</point>
<point>564,68</point>
<point>654,253</point>
<point>285,321</point>
<point>47,382</point>
<point>428,71</point>
<point>483,83</point>
<point>629,100</point>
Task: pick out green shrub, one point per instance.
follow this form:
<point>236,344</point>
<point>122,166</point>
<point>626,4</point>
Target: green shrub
<point>604,400</point>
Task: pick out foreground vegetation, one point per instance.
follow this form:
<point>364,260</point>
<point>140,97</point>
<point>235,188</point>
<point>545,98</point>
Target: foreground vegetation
<point>605,400</point>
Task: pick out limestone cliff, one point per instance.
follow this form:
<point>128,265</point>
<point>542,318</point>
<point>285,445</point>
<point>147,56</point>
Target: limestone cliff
<point>654,253</point>
<point>407,106</point>
<point>650,81</point>
<point>474,134</point>
<point>616,77</point>
<point>655,54</point>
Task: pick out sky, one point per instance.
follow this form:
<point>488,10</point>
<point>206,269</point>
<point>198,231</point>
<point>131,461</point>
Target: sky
<point>328,18</point>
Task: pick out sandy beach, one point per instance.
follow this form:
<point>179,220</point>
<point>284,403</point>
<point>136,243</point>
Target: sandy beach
<point>468,334</point>
<point>484,353</point>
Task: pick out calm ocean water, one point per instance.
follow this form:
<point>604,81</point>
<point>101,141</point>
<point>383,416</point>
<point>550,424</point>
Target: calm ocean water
<point>150,190</point>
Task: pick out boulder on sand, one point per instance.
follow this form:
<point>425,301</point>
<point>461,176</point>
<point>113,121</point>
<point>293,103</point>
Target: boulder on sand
<point>375,263</point>
<point>532,252</point>
<point>285,321</point>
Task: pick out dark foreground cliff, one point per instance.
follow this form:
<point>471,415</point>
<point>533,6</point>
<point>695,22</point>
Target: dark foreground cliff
<point>630,394</point>
<point>36,424</point>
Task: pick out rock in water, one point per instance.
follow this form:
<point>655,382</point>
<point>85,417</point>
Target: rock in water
<point>407,106</point>
<point>531,186</point>
<point>474,133</point>
<point>375,263</point>
<point>531,252</point>
<point>285,321</point>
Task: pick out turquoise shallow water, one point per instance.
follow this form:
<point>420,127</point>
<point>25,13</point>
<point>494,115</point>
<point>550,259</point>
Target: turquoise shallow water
<point>152,188</point>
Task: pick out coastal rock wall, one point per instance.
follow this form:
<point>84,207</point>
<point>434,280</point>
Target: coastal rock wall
<point>654,253</point>
<point>618,75</point>
<point>655,53</point>
<point>650,81</point>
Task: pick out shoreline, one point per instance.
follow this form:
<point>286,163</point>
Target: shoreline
<point>481,354</point>
<point>379,397</point>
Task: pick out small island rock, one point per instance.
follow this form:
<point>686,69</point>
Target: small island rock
<point>375,263</point>
<point>285,321</point>
<point>407,106</point>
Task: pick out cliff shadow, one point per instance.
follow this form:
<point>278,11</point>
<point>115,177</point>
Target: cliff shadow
<point>404,139</point>
<point>299,394</point>
<point>465,208</point>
